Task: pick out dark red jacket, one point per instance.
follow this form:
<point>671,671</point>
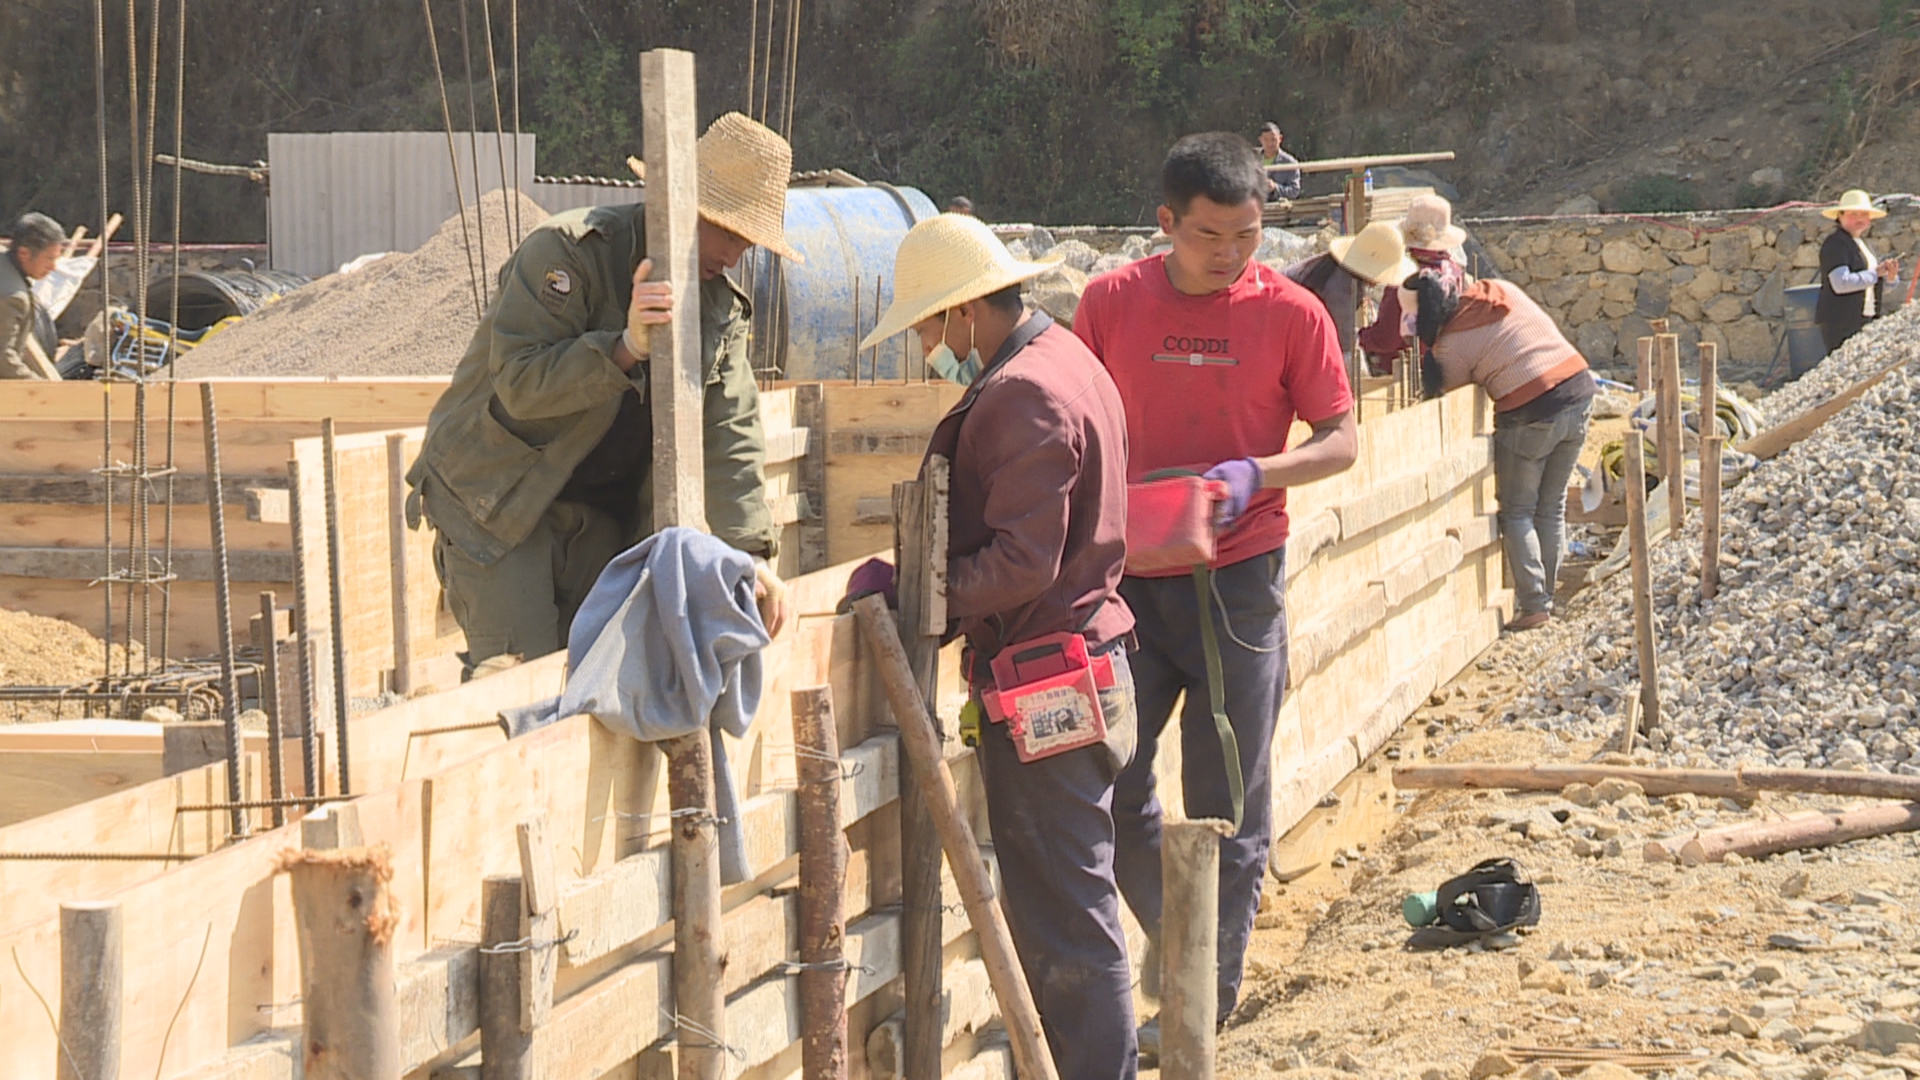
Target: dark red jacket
<point>1038,495</point>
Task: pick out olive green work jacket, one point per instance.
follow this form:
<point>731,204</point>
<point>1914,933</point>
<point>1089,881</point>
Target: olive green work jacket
<point>538,389</point>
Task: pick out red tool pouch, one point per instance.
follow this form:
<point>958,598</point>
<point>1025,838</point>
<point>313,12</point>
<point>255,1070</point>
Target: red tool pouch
<point>1047,692</point>
<point>1170,523</point>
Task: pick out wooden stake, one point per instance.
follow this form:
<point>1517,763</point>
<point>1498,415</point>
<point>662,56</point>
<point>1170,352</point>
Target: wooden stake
<point>1719,783</point>
<point>1710,444</point>
<point>1357,208</point>
<point>91,977</point>
<point>402,681</point>
<point>920,548</point>
<point>1642,575</point>
<point>539,923</point>
<point>1643,372</point>
<point>270,703</point>
<point>921,741</point>
<point>676,382</point>
<point>823,882</point>
<point>1673,433</point>
<point>679,498</point>
<point>1814,828</point>
<point>506,1047</point>
<point>345,917</point>
<point>1189,928</point>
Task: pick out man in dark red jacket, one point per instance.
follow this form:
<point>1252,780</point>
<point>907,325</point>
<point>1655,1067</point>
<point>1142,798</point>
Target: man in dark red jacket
<point>1036,541</point>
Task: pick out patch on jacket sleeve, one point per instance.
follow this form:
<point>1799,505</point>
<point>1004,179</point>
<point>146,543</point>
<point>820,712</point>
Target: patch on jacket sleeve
<point>556,289</point>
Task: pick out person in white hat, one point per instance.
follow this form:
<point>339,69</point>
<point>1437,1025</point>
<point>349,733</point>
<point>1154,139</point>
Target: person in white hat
<point>1433,243</point>
<point>1036,542</point>
<point>1852,277</point>
<point>537,465</point>
<point>1350,264</point>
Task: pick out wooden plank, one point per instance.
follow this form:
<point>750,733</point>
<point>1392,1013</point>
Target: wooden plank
<point>538,922</point>
<point>1779,437</point>
<point>36,782</point>
<point>78,564</point>
<point>407,399</point>
<point>248,447</point>
<point>810,409</point>
<point>265,504</point>
<point>86,489</point>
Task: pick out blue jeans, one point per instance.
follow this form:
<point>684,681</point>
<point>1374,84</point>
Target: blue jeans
<point>1531,466</point>
<point>1052,823</point>
<point>1172,661</point>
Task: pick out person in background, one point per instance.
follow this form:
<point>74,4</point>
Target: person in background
<point>1037,537</point>
<point>960,204</point>
<point>1433,242</point>
<point>1283,184</point>
<point>1351,263</point>
<point>37,243</point>
<point>1852,278</point>
<point>1216,355</point>
<point>1492,333</point>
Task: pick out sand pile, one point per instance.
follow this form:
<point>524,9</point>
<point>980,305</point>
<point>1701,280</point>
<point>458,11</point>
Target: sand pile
<point>406,314</point>
<point>39,651</point>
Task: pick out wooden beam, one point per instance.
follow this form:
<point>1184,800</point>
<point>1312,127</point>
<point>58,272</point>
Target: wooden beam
<point>919,841</point>
<point>810,410</point>
<point>83,564</point>
<point>346,922</point>
<point>1639,556</point>
<point>676,381</point>
<point>1190,873</point>
<point>269,505</point>
<point>1744,783</point>
<point>402,598</point>
<point>823,879</point>
<point>88,489</point>
<point>91,977</point>
<point>539,921</point>
<point>506,1044</point>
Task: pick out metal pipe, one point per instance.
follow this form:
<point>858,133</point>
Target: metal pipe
<point>223,605</point>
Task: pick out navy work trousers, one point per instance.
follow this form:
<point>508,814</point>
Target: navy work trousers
<point>1052,822</point>
<point>1252,633</point>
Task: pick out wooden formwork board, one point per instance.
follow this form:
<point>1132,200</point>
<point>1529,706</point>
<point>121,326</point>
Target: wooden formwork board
<point>876,436</point>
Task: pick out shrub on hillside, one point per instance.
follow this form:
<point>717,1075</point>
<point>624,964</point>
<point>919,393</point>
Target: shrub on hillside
<point>1658,195</point>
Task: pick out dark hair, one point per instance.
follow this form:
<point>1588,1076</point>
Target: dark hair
<point>1438,304</point>
<point>960,204</point>
<point>1270,126</point>
<point>36,232</point>
<point>1005,301</point>
<point>1218,165</point>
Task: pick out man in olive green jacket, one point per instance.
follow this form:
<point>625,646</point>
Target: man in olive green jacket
<point>37,243</point>
<point>537,465</point>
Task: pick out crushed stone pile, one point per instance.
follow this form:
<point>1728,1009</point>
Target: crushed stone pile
<point>1807,657</point>
<point>404,314</point>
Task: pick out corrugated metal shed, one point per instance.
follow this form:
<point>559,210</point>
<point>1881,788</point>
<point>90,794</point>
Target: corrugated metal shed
<point>340,195</point>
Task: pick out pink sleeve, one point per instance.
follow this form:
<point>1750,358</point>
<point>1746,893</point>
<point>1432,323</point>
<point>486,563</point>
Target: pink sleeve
<point>1316,373</point>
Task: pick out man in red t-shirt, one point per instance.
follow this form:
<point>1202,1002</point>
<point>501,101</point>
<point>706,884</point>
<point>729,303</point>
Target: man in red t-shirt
<point>1215,356</point>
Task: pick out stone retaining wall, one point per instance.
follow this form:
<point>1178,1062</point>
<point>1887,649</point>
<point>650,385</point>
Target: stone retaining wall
<point>1715,277</point>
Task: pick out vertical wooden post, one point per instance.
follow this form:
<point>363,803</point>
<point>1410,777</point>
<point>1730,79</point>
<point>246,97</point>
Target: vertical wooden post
<point>312,775</point>
<point>810,412</point>
<point>919,510</point>
<point>676,383</point>
<point>677,386</point>
<point>920,742</point>
<point>1189,929</point>
<point>402,681</point>
<point>506,1048</point>
<point>344,914</point>
<point>539,919</point>
<point>1643,374</point>
<point>1642,580</point>
<point>823,882</point>
<point>270,702</point>
<point>1710,444</point>
<point>1673,433</point>
<point>1357,208</point>
<point>91,974</point>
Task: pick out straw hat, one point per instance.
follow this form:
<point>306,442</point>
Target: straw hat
<point>744,167</point>
<point>1853,200</point>
<point>1429,225</point>
<point>1376,254</point>
<point>944,262</point>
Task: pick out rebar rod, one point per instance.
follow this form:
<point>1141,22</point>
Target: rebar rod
<point>336,586</point>
<point>223,604</point>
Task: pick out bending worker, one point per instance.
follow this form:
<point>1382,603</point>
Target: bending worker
<point>1215,356</point>
<point>537,465</point>
<point>1493,334</point>
<point>1852,278</point>
<point>1037,539</point>
<point>37,243</point>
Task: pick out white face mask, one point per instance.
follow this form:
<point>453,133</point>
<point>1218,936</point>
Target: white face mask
<point>949,366</point>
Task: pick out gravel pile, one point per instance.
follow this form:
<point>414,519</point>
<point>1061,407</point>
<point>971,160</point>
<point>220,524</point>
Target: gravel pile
<point>1806,659</point>
<point>406,314</point>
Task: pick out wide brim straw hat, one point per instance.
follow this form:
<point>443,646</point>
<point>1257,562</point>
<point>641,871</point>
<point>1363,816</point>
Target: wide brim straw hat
<point>1377,254</point>
<point>944,262</point>
<point>744,167</point>
<point>1853,200</point>
<point>1428,225</point>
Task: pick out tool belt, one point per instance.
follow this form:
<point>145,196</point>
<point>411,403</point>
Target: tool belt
<point>1170,516</point>
<point>1047,691</point>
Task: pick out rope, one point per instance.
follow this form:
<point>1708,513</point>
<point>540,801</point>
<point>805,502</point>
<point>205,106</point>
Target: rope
<point>473,150</point>
<point>453,155</point>
<point>507,201</point>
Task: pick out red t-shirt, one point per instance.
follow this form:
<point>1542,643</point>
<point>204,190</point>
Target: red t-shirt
<point>1208,378</point>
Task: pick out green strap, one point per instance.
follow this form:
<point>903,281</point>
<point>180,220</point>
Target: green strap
<point>1217,693</point>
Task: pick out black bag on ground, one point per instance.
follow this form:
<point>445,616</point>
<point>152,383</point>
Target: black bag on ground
<point>1492,897</point>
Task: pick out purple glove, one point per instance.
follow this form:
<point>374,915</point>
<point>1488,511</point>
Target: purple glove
<point>872,576</point>
<point>1242,477</point>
